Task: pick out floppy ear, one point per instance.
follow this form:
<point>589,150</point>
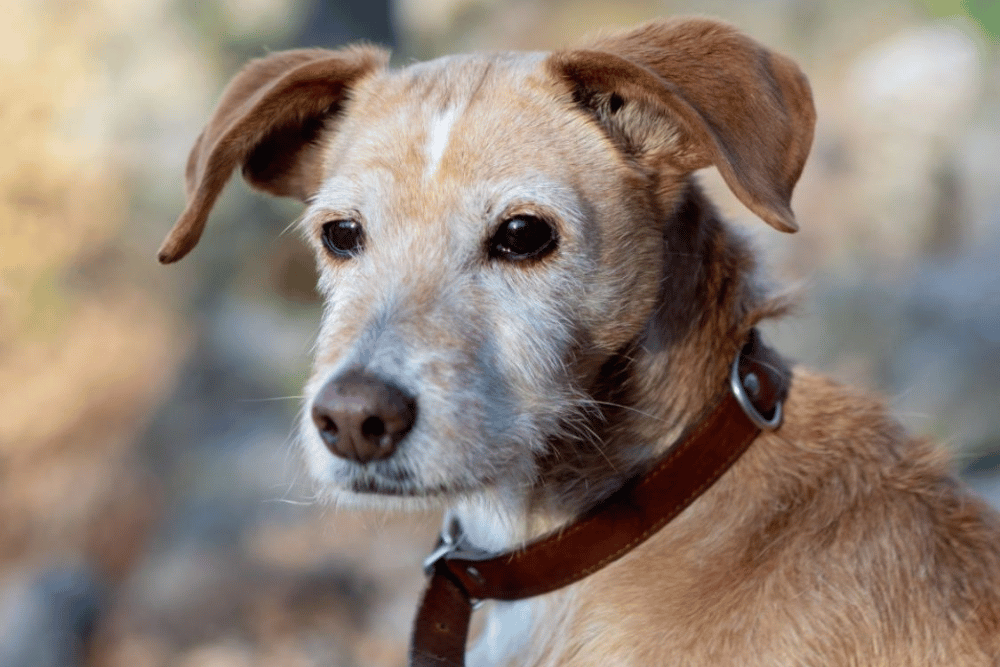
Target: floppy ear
<point>695,92</point>
<point>267,122</point>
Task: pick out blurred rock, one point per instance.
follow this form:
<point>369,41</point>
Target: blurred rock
<point>926,339</point>
<point>47,617</point>
<point>311,592</point>
<point>983,474</point>
<point>428,25</point>
<point>332,23</point>
<point>923,81</point>
<point>909,101</point>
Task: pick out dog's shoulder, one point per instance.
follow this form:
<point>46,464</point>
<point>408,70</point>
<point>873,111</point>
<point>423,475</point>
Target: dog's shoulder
<point>879,525</point>
<point>852,539</point>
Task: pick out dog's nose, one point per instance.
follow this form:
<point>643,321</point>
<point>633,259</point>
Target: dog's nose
<point>361,417</point>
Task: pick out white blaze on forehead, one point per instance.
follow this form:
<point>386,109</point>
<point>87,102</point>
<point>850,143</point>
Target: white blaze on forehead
<point>438,137</point>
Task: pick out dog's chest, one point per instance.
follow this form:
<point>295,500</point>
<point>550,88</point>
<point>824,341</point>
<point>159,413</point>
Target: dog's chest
<point>509,629</point>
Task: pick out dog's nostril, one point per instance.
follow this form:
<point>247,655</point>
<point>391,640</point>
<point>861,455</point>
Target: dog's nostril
<point>361,417</point>
<point>327,428</point>
<point>327,425</point>
<point>373,427</point>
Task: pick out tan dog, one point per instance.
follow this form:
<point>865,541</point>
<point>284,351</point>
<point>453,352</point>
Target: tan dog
<point>528,300</point>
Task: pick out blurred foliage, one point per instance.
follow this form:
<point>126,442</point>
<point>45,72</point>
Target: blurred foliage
<point>76,342</point>
<point>986,13</point>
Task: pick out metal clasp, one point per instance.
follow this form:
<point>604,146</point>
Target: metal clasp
<point>745,390</point>
<point>447,543</point>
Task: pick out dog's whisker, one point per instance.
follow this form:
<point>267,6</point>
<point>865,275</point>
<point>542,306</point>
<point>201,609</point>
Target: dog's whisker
<point>581,430</point>
<point>289,501</point>
<point>630,408</point>
<point>295,222</point>
<point>271,399</point>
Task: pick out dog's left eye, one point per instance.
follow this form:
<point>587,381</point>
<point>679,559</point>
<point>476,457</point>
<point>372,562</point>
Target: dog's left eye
<point>343,238</point>
<point>523,237</point>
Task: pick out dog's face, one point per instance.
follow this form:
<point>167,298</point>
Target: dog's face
<point>490,277</point>
<point>490,230</point>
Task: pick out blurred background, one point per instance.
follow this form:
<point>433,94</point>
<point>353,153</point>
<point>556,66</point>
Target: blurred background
<point>153,511</point>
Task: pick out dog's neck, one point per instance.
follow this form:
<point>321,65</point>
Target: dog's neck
<point>639,409</point>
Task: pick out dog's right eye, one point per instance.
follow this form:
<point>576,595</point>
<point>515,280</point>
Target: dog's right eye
<point>523,237</point>
<point>343,238</point>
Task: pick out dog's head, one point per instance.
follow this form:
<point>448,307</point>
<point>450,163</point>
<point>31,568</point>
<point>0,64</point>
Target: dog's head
<point>493,231</point>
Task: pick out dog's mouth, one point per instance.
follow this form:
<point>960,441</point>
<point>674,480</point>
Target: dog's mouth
<point>397,481</point>
<point>382,478</point>
<point>371,486</point>
<point>376,487</point>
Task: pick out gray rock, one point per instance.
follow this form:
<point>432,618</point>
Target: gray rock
<point>48,616</point>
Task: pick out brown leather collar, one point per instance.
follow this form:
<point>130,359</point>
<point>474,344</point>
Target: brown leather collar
<point>459,579</point>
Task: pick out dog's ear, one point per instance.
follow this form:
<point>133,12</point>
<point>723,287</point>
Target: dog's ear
<point>267,122</point>
<point>695,92</point>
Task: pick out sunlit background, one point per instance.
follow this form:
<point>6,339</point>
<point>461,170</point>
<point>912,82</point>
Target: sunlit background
<point>152,508</point>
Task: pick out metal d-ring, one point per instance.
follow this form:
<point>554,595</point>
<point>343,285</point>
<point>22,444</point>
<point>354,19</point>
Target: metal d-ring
<point>742,388</point>
<point>449,545</point>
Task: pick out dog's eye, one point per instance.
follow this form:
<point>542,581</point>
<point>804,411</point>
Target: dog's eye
<point>343,238</point>
<point>523,237</point>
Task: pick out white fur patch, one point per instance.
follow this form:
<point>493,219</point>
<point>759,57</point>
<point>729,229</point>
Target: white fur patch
<point>507,631</point>
<point>438,138</point>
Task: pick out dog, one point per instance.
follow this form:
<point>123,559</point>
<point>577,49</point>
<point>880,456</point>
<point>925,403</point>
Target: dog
<point>528,300</point>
